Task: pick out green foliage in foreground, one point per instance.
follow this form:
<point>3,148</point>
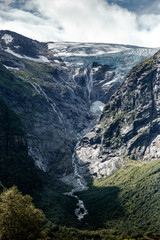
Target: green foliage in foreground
<point>19,219</point>
<point>126,203</point>
<point>57,207</point>
<point>63,233</point>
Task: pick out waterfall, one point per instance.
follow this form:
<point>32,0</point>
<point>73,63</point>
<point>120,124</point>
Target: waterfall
<point>80,184</point>
<point>77,178</point>
<point>77,70</point>
<point>80,210</point>
<point>89,81</point>
<point>54,107</point>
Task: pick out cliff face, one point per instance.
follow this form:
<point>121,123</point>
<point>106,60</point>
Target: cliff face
<point>56,100</point>
<point>129,127</point>
<point>12,135</point>
<point>17,168</point>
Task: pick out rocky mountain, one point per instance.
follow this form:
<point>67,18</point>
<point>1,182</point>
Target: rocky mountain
<point>59,89</point>
<point>17,168</point>
<point>129,127</point>
<point>51,97</point>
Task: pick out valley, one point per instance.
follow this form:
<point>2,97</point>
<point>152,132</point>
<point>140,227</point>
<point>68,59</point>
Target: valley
<point>59,97</point>
<point>88,117</point>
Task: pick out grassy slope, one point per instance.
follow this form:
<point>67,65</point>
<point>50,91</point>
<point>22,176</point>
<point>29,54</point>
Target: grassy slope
<point>126,203</point>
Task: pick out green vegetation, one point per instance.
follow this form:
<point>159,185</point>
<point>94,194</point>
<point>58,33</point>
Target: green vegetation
<point>19,219</point>
<point>19,91</point>
<point>112,133</point>
<point>62,233</point>
<point>36,73</point>
<point>144,67</point>
<point>126,203</point>
<point>10,83</point>
<point>57,207</point>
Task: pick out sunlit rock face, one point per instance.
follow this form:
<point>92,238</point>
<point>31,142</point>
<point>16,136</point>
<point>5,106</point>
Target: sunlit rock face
<point>60,90</point>
<point>129,127</point>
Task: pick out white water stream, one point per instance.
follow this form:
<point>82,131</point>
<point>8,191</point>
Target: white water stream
<point>54,107</point>
<point>89,82</point>
<point>80,210</point>
<point>81,185</point>
<point>79,181</point>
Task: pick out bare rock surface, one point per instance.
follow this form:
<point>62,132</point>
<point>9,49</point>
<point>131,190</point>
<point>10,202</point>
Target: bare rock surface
<point>129,126</point>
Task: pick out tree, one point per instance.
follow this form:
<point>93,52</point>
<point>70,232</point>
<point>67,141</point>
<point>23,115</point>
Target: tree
<point>19,219</point>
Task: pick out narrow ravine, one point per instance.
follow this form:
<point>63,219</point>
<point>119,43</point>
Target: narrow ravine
<point>75,179</point>
<point>78,181</point>
<point>81,185</point>
<point>80,210</point>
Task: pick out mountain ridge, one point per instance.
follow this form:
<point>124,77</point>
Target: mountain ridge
<point>63,94</point>
<point>127,124</point>
<point>57,100</point>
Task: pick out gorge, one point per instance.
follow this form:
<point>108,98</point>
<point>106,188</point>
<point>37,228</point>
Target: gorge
<point>90,119</point>
<point>61,83</point>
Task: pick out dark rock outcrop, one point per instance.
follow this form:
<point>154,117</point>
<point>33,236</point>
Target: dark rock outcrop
<point>17,167</point>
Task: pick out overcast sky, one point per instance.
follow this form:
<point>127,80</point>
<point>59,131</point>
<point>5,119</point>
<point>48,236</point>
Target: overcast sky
<point>135,22</point>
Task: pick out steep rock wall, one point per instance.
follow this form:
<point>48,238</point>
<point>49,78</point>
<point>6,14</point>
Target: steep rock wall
<point>129,127</point>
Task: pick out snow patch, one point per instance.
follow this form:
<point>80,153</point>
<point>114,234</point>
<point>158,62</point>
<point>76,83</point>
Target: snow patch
<point>17,47</point>
<point>13,53</point>
<point>96,68</point>
<point>97,107</point>
<point>11,68</point>
<point>7,38</point>
<point>115,79</point>
<point>41,59</point>
<point>68,49</point>
<point>57,61</point>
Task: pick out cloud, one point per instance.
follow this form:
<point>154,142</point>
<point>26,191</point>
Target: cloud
<point>5,4</point>
<point>151,7</point>
<point>8,2</point>
<point>82,21</point>
<point>28,24</point>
